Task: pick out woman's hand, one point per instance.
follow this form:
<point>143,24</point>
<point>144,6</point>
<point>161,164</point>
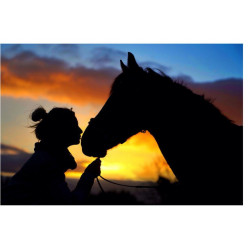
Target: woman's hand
<point>94,168</point>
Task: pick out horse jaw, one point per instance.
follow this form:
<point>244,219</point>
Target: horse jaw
<point>91,144</point>
<point>93,153</point>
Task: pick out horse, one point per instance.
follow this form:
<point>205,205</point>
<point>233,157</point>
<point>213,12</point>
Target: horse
<point>201,145</point>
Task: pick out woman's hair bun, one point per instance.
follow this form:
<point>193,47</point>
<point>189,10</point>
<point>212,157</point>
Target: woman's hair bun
<point>38,114</point>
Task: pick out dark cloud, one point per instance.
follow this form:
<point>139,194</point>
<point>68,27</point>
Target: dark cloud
<point>12,158</point>
<point>27,63</point>
<point>6,149</point>
<point>226,94</point>
<point>102,56</point>
<point>11,50</point>
<point>70,50</point>
<point>183,78</point>
<point>155,66</point>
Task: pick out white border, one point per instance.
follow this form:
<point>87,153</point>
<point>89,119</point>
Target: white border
<point>113,227</point>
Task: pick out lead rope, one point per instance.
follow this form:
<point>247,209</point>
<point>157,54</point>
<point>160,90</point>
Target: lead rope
<point>115,183</point>
<point>99,184</point>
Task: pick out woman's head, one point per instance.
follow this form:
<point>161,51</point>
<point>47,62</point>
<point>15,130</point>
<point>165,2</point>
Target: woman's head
<point>59,126</point>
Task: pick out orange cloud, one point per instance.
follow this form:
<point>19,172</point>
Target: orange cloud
<point>28,75</point>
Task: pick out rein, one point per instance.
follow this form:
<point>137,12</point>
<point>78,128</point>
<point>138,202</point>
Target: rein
<point>119,184</point>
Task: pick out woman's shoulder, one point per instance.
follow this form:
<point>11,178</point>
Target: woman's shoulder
<point>40,162</point>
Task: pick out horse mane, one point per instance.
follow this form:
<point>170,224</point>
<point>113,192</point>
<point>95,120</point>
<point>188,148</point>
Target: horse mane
<point>165,83</point>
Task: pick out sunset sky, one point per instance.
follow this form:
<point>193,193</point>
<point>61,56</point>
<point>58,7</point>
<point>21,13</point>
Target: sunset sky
<point>80,76</point>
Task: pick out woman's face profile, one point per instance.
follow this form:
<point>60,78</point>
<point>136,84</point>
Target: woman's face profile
<point>75,133</point>
<point>71,133</point>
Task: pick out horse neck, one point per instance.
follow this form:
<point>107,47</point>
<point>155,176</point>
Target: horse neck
<point>186,133</point>
<point>185,118</point>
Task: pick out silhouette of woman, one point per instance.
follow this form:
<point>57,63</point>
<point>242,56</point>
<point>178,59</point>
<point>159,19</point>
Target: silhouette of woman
<point>41,181</point>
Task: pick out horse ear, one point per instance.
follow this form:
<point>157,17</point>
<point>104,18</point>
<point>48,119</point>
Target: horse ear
<point>123,66</point>
<point>132,64</point>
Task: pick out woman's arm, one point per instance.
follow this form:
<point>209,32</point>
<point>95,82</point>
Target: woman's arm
<point>86,181</point>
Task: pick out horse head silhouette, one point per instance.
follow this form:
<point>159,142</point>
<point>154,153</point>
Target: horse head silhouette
<point>123,115</point>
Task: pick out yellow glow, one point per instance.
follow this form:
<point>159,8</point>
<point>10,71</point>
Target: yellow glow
<point>138,159</point>
<point>73,175</point>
